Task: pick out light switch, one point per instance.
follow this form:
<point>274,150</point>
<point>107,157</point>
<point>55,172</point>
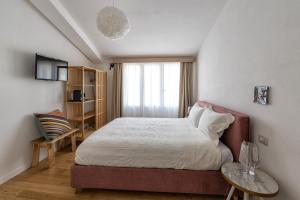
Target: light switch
<point>263,140</point>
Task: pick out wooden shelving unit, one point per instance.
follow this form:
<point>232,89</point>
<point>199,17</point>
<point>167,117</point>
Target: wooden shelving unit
<point>85,101</point>
<point>90,113</point>
<point>101,99</point>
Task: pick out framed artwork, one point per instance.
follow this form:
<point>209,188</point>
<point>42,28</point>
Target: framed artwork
<point>261,94</point>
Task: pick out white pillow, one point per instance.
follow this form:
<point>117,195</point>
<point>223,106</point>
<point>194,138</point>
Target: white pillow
<point>195,114</point>
<point>213,124</point>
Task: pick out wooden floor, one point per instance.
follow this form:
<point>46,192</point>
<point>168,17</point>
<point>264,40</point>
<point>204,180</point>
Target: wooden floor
<point>45,184</point>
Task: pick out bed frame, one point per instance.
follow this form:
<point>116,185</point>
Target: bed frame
<point>165,180</point>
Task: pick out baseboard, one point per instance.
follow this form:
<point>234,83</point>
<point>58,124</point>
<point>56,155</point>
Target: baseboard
<point>14,172</point>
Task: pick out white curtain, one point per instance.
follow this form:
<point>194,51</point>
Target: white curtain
<point>150,89</point>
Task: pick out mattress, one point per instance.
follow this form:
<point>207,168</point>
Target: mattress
<point>151,143</point>
<point>226,154</point>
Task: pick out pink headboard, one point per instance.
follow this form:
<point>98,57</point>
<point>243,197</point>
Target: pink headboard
<point>236,133</point>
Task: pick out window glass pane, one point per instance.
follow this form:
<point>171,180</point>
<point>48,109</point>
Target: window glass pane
<point>152,82</point>
<point>171,84</point>
<point>131,84</point>
<point>150,89</point>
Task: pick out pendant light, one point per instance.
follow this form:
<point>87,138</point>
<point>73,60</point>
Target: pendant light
<point>112,22</point>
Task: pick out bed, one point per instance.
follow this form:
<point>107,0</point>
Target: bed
<point>157,155</point>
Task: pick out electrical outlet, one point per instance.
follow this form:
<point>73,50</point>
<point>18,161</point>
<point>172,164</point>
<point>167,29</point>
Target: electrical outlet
<point>263,140</point>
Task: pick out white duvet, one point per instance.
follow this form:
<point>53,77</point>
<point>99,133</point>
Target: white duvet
<point>150,143</point>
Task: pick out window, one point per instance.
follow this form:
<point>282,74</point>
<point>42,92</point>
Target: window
<point>150,89</point>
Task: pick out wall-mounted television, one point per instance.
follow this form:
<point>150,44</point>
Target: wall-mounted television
<point>50,69</point>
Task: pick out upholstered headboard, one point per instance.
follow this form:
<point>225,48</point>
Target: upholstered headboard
<point>236,133</point>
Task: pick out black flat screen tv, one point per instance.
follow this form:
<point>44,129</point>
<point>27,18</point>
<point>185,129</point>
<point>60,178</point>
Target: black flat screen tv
<point>50,69</point>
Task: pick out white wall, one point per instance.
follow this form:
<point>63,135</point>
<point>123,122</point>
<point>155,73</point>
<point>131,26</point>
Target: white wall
<point>257,42</point>
<point>24,31</point>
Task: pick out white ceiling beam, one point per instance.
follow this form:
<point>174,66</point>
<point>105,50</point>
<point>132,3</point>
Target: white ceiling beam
<point>61,18</point>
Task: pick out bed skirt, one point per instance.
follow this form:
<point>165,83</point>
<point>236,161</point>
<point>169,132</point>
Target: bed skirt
<point>148,179</point>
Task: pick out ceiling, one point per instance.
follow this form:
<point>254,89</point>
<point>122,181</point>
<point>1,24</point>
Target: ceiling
<point>158,27</point>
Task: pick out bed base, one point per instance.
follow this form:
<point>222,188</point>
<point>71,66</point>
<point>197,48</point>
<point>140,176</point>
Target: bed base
<point>148,179</point>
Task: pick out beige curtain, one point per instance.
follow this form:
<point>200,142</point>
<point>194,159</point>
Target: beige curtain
<point>185,88</point>
<point>117,91</point>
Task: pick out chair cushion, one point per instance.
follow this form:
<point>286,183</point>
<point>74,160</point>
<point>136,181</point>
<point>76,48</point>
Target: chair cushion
<point>51,126</point>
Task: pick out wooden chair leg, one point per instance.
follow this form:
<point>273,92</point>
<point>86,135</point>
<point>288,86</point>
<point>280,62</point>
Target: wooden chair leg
<point>61,144</point>
<point>35,155</point>
<point>73,142</point>
<point>51,157</point>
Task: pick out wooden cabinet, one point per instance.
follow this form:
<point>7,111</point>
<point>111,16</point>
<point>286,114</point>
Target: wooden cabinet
<point>89,112</point>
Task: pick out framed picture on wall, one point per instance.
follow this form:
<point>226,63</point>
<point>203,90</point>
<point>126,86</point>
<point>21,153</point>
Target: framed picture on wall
<point>261,94</point>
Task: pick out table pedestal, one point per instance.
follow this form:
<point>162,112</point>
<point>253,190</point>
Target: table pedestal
<point>246,195</point>
<point>230,193</point>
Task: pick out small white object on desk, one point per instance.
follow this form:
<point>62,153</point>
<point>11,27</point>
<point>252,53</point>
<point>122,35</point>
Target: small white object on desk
<point>260,185</point>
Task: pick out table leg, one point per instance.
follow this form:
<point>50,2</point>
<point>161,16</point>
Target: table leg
<point>61,144</point>
<point>73,142</point>
<point>246,196</point>
<point>51,156</point>
<point>35,155</point>
<point>230,193</point>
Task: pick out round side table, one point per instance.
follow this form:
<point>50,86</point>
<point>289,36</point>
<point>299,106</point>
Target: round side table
<point>260,185</point>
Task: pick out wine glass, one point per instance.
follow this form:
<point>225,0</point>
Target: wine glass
<point>244,157</point>
<point>254,158</point>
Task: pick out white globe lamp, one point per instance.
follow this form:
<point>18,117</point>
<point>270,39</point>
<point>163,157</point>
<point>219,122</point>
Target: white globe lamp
<point>112,23</point>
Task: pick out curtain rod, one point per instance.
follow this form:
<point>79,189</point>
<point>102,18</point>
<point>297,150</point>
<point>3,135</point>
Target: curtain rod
<point>153,59</point>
